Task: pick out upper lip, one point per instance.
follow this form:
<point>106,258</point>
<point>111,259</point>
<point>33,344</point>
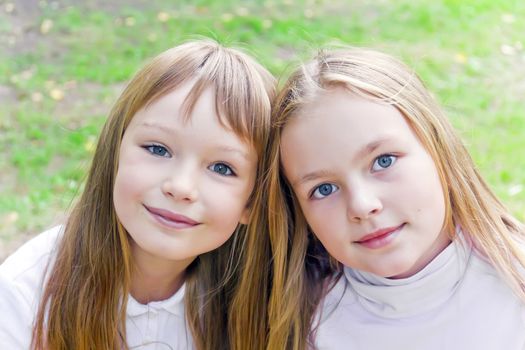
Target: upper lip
<point>378,233</point>
<point>167,214</point>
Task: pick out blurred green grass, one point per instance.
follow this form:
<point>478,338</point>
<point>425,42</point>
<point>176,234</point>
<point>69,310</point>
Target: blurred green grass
<point>63,68</point>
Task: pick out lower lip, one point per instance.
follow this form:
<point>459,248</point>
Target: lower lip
<point>381,241</point>
<point>170,223</point>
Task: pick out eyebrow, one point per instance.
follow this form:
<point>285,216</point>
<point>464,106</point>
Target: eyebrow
<point>314,175</point>
<point>160,127</point>
<point>223,148</point>
<point>372,146</point>
<point>365,150</point>
<point>237,151</point>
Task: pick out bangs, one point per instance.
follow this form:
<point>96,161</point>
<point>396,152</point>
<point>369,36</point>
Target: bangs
<point>243,89</point>
<point>242,92</point>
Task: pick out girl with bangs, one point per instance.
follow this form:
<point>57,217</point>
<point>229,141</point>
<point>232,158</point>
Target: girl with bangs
<point>385,236</point>
<point>150,255</point>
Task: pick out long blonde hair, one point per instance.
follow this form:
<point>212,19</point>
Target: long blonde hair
<point>84,300</point>
<point>302,268</point>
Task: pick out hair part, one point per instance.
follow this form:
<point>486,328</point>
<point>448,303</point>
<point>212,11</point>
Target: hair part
<point>470,204</point>
<point>84,300</point>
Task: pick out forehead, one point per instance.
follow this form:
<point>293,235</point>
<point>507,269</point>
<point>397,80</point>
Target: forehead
<point>186,104</point>
<point>198,96</point>
<point>165,115</point>
<point>339,126</point>
<point>170,106</point>
<point>344,114</point>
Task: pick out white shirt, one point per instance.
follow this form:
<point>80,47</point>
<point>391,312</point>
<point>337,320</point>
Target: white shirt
<point>457,302</point>
<point>158,325</point>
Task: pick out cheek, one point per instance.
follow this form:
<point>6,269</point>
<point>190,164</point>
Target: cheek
<point>223,219</point>
<point>438,203</point>
<point>226,203</point>
<point>427,195</point>
<point>129,190</point>
<point>131,178</point>
<point>324,218</point>
<point>121,195</point>
<point>332,235</point>
<point>433,185</point>
<point>126,183</point>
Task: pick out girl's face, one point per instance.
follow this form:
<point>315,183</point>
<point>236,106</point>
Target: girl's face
<point>182,187</point>
<point>368,189</point>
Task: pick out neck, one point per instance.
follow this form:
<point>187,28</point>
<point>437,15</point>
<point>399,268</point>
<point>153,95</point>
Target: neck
<point>154,278</point>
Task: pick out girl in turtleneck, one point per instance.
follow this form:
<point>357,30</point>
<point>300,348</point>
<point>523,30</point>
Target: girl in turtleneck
<point>385,236</point>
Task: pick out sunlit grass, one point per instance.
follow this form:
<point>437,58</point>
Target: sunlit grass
<point>469,53</point>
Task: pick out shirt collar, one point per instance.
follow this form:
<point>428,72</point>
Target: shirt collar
<point>406,297</point>
<point>173,305</point>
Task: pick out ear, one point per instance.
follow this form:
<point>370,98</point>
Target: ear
<point>245,216</point>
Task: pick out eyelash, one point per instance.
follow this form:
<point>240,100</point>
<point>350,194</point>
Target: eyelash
<point>392,157</point>
<point>229,168</point>
<point>152,147</point>
<point>334,188</point>
<point>321,196</point>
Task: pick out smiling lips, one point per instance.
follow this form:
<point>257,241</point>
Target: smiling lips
<point>380,238</point>
<point>170,219</point>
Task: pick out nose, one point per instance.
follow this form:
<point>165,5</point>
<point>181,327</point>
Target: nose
<point>181,184</point>
<point>362,204</point>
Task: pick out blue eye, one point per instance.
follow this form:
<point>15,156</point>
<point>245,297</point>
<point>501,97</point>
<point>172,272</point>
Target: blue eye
<point>383,161</point>
<point>324,190</point>
<point>158,150</point>
<point>221,169</point>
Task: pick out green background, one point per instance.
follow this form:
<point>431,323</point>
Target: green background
<point>63,63</point>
